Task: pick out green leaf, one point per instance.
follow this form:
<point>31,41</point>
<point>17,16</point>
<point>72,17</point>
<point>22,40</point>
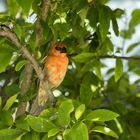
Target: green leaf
<point>53,132</point>
<point>104,20</point>
<point>64,112</point>
<point>0,103</point>
<point>105,130</point>
<point>118,69</point>
<point>92,15</point>
<point>47,33</point>
<point>103,1</point>
<point>127,34</point>
<point>115,24</point>
<point>25,5</point>
<point>135,20</point>
<point>118,12</point>
<point>39,124</point>
<point>31,136</point>
<point>10,102</point>
<point>98,71</point>
<point>109,45</point>
<point>61,30</point>
<point>132,46</point>
<point>82,15</point>
<point>9,134</point>
<point>10,90</point>
<point>79,111</point>
<point>5,57</point>
<point>87,88</point>
<point>101,115</point>
<point>20,64</point>
<point>48,138</point>
<point>6,119</point>
<point>83,57</point>
<point>78,132</point>
<point>22,123</point>
<point>67,134</point>
<point>11,4</point>
<point>78,4</point>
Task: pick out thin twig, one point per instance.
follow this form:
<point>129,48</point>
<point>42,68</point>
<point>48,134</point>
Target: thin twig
<point>110,57</point>
<point>120,57</point>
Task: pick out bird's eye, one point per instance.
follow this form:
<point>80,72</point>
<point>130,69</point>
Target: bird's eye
<point>63,50</point>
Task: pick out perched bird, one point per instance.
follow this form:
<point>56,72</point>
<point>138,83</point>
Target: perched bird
<point>55,67</point>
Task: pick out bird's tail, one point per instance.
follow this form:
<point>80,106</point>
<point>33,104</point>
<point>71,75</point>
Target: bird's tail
<point>45,94</point>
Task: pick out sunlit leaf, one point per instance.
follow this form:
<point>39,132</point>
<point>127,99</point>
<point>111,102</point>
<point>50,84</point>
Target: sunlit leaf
<point>53,132</point>
<point>39,124</point>
<point>118,69</point>
<point>135,20</point>
<point>25,5</point>
<point>11,4</point>
<point>20,65</point>
<point>10,102</point>
<point>78,132</point>
<point>64,112</point>
<point>101,115</point>
<point>83,57</point>
<point>105,130</point>
<point>79,111</point>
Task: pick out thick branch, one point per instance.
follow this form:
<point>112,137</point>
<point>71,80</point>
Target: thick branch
<point>7,32</point>
<point>26,83</point>
<point>44,9</point>
<point>42,16</point>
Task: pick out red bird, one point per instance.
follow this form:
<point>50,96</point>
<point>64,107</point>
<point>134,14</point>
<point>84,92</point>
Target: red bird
<point>56,64</point>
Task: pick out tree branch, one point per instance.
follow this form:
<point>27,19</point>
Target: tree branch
<point>35,108</point>
<point>26,83</point>
<point>7,32</point>
<point>110,57</point>
<point>121,57</point>
<point>43,16</point>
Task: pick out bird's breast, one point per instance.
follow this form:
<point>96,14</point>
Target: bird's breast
<point>56,69</point>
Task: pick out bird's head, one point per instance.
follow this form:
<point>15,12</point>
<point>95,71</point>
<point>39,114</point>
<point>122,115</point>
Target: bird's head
<point>58,49</point>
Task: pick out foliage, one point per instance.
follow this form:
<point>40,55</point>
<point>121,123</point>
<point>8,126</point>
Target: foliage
<point>92,104</point>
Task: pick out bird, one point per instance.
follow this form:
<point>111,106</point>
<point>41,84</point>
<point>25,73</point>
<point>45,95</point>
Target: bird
<point>55,67</point>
